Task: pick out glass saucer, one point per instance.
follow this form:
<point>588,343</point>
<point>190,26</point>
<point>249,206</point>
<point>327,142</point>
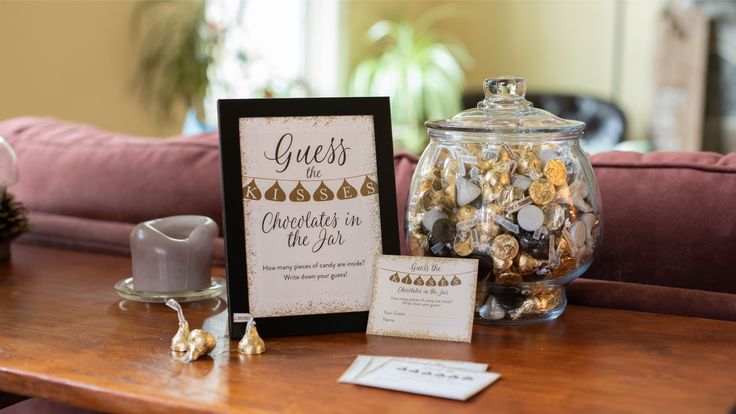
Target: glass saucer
<point>124,288</point>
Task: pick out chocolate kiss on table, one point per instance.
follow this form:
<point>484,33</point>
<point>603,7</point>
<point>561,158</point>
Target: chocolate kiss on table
<point>431,282</point>
<point>323,193</point>
<point>419,281</point>
<point>443,282</point>
<point>275,193</point>
<point>196,343</point>
<point>251,344</point>
<point>406,280</point>
<point>251,191</point>
<point>394,278</point>
<point>346,191</point>
<point>299,194</point>
<point>369,187</point>
<point>467,191</point>
<point>180,341</point>
<point>200,342</point>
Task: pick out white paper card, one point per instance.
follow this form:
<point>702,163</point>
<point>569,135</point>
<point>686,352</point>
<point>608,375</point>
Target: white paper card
<point>367,363</point>
<point>423,297</point>
<point>427,379</point>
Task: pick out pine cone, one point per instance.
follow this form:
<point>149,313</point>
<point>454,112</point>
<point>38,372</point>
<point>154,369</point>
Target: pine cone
<point>13,219</point>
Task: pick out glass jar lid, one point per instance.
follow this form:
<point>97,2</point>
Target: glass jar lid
<point>505,110</point>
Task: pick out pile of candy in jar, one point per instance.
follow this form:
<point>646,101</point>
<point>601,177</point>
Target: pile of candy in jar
<point>524,210</point>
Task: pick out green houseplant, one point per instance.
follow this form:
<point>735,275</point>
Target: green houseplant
<point>423,76</point>
<point>176,46</point>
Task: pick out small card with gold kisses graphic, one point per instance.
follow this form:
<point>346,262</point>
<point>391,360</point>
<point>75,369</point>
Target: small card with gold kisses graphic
<point>423,297</point>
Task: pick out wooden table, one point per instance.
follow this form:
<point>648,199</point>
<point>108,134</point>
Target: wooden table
<point>65,335</point>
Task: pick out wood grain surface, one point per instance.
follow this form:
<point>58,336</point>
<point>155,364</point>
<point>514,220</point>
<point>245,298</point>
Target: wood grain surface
<point>65,335</point>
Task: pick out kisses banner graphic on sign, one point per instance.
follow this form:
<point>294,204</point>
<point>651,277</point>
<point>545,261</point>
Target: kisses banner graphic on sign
<point>312,220</point>
<point>309,201</point>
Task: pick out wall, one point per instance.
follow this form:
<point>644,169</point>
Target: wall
<point>602,48</point>
<point>73,60</point>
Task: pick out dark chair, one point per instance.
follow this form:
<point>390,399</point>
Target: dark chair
<point>605,122</point>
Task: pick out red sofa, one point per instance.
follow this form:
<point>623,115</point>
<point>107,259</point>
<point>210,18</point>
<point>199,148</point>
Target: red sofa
<point>669,218</point>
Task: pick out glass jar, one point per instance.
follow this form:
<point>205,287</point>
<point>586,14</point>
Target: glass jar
<point>508,184</point>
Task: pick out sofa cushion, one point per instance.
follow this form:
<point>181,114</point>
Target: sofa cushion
<point>669,219</point>
<point>76,170</point>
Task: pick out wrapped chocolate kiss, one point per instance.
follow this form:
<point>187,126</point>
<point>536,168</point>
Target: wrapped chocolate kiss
<point>201,342</point>
<point>251,344</point>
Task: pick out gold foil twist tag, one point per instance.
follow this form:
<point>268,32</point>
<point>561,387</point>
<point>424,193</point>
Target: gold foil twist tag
<point>180,341</point>
<point>251,344</point>
<point>200,342</point>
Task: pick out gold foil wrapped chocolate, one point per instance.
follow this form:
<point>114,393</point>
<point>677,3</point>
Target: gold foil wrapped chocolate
<point>527,263</point>
<point>251,344</point>
<point>504,247</point>
<point>554,216</point>
<point>201,342</point>
<point>466,213</point>
<point>195,343</point>
<point>525,209</point>
<point>556,173</point>
<point>509,277</point>
<point>418,244</point>
<point>541,302</point>
<point>463,245</point>
<point>542,192</point>
<point>500,265</point>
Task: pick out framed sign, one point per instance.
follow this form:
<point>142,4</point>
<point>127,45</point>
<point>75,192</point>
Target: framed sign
<point>309,202</point>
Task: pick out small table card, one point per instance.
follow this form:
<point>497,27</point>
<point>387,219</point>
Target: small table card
<point>457,380</point>
<point>423,297</point>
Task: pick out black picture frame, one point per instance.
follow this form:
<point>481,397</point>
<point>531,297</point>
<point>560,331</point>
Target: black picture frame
<point>230,111</point>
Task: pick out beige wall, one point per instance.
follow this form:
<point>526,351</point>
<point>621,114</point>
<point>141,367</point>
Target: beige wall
<point>75,61</point>
<point>558,46</point>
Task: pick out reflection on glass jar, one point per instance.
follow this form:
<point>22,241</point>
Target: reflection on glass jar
<point>509,185</point>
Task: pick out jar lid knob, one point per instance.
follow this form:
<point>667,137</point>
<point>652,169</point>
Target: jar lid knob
<point>505,85</point>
